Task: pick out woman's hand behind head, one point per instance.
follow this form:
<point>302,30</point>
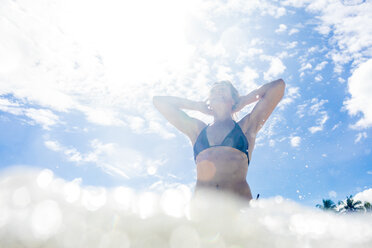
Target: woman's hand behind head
<point>203,107</point>
<point>238,106</point>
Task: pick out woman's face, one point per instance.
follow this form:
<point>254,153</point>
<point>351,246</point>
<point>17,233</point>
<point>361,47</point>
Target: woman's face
<point>220,94</point>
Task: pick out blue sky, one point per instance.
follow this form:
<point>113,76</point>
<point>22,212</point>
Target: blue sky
<point>77,80</point>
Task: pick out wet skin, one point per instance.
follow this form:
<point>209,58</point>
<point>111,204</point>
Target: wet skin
<point>223,168</point>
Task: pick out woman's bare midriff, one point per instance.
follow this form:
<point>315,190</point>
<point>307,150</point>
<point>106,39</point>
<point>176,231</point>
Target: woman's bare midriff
<point>223,168</point>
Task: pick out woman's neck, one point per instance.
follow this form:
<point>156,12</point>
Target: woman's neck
<point>222,120</point>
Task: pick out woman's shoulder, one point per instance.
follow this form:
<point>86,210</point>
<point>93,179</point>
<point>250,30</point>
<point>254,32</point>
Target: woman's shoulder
<point>199,127</point>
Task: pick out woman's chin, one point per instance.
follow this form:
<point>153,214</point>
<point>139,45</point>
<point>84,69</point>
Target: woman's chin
<point>219,105</point>
<point>218,102</point>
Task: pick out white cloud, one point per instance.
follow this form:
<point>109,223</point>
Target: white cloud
<point>136,123</point>
<point>248,53</point>
<point>341,80</point>
<point>254,51</point>
<point>213,50</point>
<point>351,36</point>
<point>316,108</point>
<point>276,68</point>
<point>53,145</point>
<point>269,129</point>
<point>114,159</point>
<point>335,126</point>
<point>246,7</point>
<point>289,96</point>
<point>284,54</point>
<point>102,116</point>
<point>306,66</point>
<point>301,110</point>
<point>153,165</point>
<point>44,117</point>
<point>359,136</point>
<point>156,127</point>
<point>4,103</point>
<point>365,195</point>
<point>292,45</point>
<point>360,89</point>
<point>295,141</point>
<point>318,78</point>
<point>233,39</point>
<point>321,66</point>
<point>111,158</point>
<point>320,121</point>
<point>332,194</point>
<point>293,31</point>
<point>281,11</point>
<point>295,3</point>
<point>256,41</point>
<point>71,153</point>
<point>313,49</point>
<point>247,77</point>
<point>57,62</point>
<point>10,107</point>
<point>224,73</point>
<point>281,28</point>
<point>317,105</point>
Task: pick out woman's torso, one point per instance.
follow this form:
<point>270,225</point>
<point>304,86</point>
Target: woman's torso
<point>223,167</point>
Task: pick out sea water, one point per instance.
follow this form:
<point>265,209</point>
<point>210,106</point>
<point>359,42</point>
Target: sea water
<point>38,209</point>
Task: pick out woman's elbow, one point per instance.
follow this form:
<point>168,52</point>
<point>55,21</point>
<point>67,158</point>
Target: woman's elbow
<point>281,82</point>
<point>281,85</point>
<point>156,100</point>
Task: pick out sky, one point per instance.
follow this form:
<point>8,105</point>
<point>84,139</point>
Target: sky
<point>77,80</point>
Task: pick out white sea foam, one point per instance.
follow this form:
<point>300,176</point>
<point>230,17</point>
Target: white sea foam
<point>38,209</point>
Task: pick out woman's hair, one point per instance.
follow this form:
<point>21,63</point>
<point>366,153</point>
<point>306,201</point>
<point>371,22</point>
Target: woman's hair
<point>233,90</point>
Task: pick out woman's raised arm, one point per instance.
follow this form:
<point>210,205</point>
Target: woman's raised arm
<point>269,96</point>
<point>170,107</point>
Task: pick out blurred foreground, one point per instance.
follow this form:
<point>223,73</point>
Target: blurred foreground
<point>39,210</point>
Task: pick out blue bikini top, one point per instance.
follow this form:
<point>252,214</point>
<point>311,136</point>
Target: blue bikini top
<point>235,139</point>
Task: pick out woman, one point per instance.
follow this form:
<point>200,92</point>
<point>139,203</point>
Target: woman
<point>223,149</point>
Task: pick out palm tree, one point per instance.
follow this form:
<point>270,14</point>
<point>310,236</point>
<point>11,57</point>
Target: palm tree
<point>328,204</point>
<point>350,205</point>
<point>367,206</point>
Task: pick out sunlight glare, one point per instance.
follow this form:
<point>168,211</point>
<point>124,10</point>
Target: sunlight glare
<point>132,37</point>
<point>4,215</point>
<point>147,204</point>
<point>124,196</point>
<point>46,219</point>
<point>44,178</point>
<point>21,197</point>
<point>115,239</point>
<point>72,191</point>
<point>184,236</point>
<point>173,202</point>
<point>94,198</point>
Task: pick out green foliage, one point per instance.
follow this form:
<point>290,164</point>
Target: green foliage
<point>368,206</point>
<point>347,206</point>
<point>328,204</point>
<point>350,205</point>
